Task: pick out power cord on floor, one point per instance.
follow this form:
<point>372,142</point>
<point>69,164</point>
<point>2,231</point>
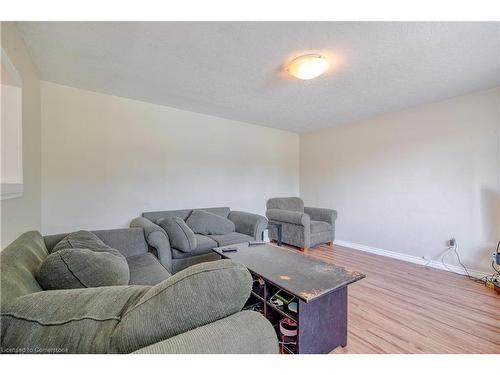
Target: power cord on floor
<point>483,280</point>
<point>493,266</point>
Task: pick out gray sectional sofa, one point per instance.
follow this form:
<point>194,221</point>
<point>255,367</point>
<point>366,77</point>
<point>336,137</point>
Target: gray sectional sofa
<point>247,226</point>
<point>197,310</point>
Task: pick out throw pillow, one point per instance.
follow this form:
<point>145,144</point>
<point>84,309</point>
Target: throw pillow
<point>180,235</point>
<point>83,260</point>
<point>82,268</point>
<point>204,222</point>
<point>82,239</point>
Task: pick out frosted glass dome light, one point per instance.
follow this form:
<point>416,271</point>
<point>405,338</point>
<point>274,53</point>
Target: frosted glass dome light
<point>307,66</point>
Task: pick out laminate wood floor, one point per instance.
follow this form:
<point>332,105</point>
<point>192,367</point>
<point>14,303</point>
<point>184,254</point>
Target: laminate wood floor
<point>402,307</point>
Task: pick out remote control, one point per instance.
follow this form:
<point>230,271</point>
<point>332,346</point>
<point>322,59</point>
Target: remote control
<point>229,249</point>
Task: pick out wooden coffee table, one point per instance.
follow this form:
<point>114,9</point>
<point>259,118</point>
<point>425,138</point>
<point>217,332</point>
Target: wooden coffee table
<point>318,288</point>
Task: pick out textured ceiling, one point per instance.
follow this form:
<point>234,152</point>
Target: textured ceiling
<point>235,69</point>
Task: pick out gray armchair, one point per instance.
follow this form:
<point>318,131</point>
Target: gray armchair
<point>301,226</point>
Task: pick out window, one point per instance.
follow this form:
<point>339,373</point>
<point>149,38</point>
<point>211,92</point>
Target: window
<point>11,134</point>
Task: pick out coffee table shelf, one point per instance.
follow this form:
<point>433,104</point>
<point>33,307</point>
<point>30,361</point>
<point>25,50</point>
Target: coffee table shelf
<point>285,314</point>
<point>258,297</point>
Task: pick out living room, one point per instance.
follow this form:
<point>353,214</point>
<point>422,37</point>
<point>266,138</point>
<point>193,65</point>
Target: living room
<point>338,181</point>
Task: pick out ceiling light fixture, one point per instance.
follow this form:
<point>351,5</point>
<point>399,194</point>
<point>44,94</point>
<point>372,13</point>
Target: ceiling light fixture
<point>307,66</point>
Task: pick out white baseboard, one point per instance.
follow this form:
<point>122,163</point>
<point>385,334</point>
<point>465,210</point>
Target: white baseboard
<point>411,259</point>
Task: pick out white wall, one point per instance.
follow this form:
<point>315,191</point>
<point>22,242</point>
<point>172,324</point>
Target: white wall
<point>106,159</point>
<point>408,181</point>
<point>24,213</point>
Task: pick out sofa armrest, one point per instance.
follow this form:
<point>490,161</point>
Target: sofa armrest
<point>291,217</point>
<point>66,320</point>
<point>246,332</point>
<point>321,214</point>
<point>193,297</point>
<point>157,238</point>
<point>247,223</point>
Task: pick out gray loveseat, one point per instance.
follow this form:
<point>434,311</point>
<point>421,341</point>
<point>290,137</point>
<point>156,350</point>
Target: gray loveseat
<point>301,226</point>
<point>197,310</point>
<point>248,227</point>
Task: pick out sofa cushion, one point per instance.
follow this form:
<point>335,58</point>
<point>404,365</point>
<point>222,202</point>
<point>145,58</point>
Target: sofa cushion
<point>180,235</point>
<point>242,333</point>
<point>320,226</point>
<point>128,241</point>
<point>146,270</point>
<point>154,216</point>
<point>66,321</point>
<point>205,246</point>
<point>204,222</point>
<point>83,240</point>
<point>231,238</point>
<point>205,243</point>
<point>92,263</point>
<point>82,268</point>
